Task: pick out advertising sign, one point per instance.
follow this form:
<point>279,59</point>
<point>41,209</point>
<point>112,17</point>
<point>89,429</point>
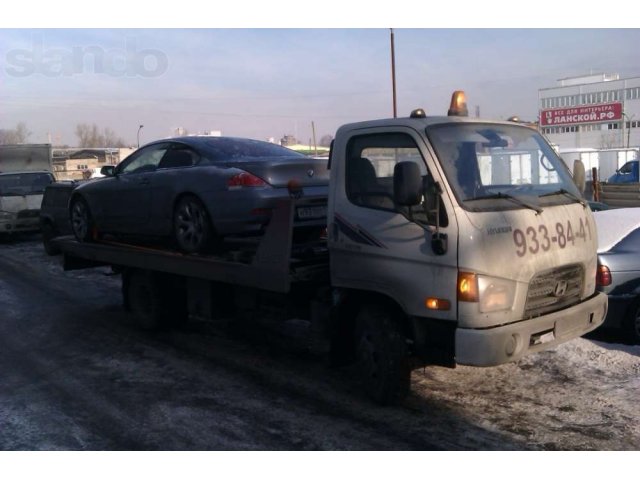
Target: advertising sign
<point>603,112</point>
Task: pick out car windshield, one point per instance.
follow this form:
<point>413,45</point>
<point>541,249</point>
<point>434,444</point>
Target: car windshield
<point>234,148</point>
<point>24,183</point>
<point>490,165</point>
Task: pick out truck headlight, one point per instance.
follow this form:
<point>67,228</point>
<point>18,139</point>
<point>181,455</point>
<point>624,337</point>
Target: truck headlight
<point>490,293</point>
<point>6,215</point>
<point>495,294</point>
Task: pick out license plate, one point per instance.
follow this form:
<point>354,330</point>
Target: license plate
<point>308,213</point>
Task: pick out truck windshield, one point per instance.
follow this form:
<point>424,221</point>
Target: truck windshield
<point>24,183</point>
<point>488,165</point>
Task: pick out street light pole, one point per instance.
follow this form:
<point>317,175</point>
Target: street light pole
<point>393,75</point>
<point>139,128</point>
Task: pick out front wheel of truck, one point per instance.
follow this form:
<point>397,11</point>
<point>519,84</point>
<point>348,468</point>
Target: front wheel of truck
<point>382,356</point>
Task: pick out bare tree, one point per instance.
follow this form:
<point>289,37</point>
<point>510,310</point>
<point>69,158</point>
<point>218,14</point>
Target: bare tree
<point>607,140</point>
<point>20,134</point>
<point>90,136</point>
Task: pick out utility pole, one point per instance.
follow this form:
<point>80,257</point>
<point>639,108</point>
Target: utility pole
<point>139,128</point>
<point>313,129</point>
<point>393,75</point>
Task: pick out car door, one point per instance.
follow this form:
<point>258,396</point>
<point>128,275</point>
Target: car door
<point>173,176</point>
<point>126,202</point>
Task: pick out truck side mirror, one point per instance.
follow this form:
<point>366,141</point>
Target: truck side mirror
<point>407,184</point>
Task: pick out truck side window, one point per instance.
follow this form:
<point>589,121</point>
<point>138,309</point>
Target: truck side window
<point>369,170</point>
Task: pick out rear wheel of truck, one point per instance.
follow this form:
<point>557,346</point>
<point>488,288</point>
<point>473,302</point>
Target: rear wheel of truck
<point>81,220</point>
<point>153,300</point>
<point>382,359</point>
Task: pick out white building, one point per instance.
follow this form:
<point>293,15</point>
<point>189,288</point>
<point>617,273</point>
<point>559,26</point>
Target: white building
<point>599,111</point>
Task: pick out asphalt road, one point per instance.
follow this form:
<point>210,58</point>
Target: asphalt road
<point>78,375</point>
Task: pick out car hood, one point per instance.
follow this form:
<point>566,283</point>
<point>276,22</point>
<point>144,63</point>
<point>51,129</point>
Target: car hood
<point>278,172</point>
<point>615,224</point>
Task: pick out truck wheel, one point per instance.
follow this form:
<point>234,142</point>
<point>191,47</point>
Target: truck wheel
<point>81,221</point>
<point>152,300</point>
<point>49,233</point>
<point>382,356</point>
<point>631,325</point>
<point>192,228</point>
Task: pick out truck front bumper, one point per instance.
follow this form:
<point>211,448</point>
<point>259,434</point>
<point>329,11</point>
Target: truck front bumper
<point>508,343</point>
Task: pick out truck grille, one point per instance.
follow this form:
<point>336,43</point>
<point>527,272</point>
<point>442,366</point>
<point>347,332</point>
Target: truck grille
<point>554,290</point>
<point>28,213</point>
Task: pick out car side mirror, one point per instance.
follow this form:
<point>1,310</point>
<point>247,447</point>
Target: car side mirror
<point>108,171</point>
<point>407,184</point>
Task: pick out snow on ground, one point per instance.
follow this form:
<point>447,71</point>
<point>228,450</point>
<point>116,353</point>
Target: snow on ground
<point>582,395</point>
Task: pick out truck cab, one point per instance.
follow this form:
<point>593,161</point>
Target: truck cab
<point>468,236</point>
<point>20,200</point>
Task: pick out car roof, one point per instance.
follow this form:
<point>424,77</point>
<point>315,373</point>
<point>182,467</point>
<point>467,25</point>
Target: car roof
<point>614,225</point>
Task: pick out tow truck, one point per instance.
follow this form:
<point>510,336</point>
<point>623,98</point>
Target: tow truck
<point>450,241</point>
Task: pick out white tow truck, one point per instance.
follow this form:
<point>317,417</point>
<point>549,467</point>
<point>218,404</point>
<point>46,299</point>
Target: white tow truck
<point>450,241</point>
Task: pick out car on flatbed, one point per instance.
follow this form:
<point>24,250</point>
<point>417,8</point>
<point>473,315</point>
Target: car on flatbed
<point>195,191</point>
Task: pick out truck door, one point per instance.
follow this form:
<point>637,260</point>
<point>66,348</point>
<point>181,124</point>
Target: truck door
<point>376,245</point>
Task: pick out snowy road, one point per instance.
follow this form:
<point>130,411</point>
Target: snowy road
<point>77,375</point>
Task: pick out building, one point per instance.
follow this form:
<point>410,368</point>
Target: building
<point>70,163</point>
<point>599,111</point>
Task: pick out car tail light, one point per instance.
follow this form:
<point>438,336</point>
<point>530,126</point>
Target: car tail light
<point>245,179</point>
<point>603,276</point>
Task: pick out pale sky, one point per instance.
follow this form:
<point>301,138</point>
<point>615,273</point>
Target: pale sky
<point>268,82</point>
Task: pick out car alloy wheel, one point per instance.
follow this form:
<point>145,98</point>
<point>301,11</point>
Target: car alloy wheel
<point>192,227</point>
<point>81,222</point>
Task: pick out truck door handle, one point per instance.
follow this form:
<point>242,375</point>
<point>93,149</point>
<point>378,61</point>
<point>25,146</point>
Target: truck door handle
<point>144,181</point>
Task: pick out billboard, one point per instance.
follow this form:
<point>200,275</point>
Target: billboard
<point>602,112</point>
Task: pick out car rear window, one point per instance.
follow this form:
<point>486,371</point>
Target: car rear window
<point>229,148</point>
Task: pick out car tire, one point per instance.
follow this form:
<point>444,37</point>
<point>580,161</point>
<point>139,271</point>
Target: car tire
<point>382,357</point>
<point>192,228</point>
<point>81,220</point>
<point>631,324</point>
<point>49,232</point>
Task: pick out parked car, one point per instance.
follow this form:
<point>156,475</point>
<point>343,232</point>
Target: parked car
<point>618,273</point>
<point>196,191</point>
<point>628,173</point>
<point>54,213</point>
<point>597,206</point>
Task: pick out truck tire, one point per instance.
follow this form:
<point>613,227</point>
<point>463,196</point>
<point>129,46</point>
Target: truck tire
<point>81,220</point>
<point>382,359</point>
<point>192,229</point>
<point>631,324</point>
<point>152,300</point>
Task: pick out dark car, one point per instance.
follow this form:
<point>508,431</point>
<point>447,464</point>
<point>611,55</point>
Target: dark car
<point>196,191</point>
<point>54,213</point>
<point>618,273</point>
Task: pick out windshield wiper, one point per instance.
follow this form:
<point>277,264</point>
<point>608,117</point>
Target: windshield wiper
<point>511,198</point>
<point>566,193</point>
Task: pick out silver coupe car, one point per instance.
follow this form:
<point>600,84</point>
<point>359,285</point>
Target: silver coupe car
<point>196,191</point>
